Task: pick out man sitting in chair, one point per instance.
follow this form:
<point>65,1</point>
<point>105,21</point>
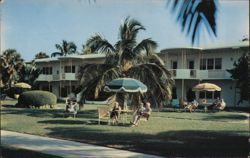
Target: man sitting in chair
<point>71,107</point>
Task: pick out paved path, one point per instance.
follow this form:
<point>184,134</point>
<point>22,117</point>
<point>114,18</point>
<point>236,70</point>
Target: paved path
<point>64,148</point>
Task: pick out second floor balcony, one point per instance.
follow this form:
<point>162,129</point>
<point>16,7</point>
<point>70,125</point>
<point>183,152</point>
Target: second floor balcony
<point>57,77</point>
<point>199,74</point>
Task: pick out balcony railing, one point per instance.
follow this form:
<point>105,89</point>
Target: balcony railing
<point>63,76</point>
<point>68,76</point>
<point>199,74</point>
<point>43,77</point>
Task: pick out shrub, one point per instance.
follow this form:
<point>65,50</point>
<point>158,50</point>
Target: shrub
<point>36,98</point>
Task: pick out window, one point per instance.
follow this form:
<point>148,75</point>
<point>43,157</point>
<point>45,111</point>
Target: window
<point>69,69</point>
<point>209,95</point>
<point>218,62</point>
<point>210,64</point>
<point>174,64</point>
<point>47,70</point>
<point>203,63</point>
<point>191,64</point>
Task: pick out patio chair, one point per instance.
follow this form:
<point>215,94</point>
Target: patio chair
<point>103,113</point>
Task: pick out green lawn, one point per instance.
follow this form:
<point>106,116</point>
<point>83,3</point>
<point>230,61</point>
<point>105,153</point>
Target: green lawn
<point>166,133</point>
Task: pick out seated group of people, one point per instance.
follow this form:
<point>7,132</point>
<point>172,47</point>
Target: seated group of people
<point>218,104</point>
<point>140,112</point>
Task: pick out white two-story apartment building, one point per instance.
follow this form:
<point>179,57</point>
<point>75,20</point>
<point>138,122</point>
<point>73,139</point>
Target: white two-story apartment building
<point>189,67</point>
<point>59,74</point>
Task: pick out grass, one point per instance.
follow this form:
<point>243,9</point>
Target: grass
<point>10,152</point>
<point>172,134</point>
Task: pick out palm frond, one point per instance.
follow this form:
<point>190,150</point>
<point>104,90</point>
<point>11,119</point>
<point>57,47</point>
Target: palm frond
<point>98,43</point>
<point>71,48</point>
<point>129,29</point>
<point>106,77</point>
<point>191,13</point>
<point>156,77</point>
<point>154,58</point>
<point>59,48</point>
<point>56,54</point>
<point>147,45</point>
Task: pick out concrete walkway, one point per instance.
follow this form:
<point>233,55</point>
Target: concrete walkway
<point>64,148</point>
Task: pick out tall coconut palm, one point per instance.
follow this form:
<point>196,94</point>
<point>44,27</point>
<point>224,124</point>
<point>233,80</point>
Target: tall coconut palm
<point>126,58</point>
<point>192,13</point>
<point>65,48</point>
<point>11,65</point>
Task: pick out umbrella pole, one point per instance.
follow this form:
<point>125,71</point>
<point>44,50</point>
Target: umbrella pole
<point>125,102</point>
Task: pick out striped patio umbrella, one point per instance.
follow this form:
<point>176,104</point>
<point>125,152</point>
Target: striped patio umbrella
<point>206,87</point>
<point>23,85</point>
<point>125,85</point>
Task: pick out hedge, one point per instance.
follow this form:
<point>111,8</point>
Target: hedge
<point>36,98</point>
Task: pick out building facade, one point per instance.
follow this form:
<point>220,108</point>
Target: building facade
<point>59,75</point>
<point>189,66</point>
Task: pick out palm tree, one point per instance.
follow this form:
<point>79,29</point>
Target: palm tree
<point>126,58</point>
<point>65,49</point>
<point>29,73</point>
<point>11,65</point>
<point>41,55</point>
<point>192,13</point>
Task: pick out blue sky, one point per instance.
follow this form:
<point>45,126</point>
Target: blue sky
<point>31,26</point>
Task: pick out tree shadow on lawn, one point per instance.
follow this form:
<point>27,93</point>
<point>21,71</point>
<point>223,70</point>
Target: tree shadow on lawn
<point>51,113</point>
<point>229,117</point>
<point>70,122</point>
<point>187,143</point>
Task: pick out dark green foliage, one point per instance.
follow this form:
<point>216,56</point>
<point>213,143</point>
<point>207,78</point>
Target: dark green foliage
<point>36,98</point>
<point>240,73</point>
